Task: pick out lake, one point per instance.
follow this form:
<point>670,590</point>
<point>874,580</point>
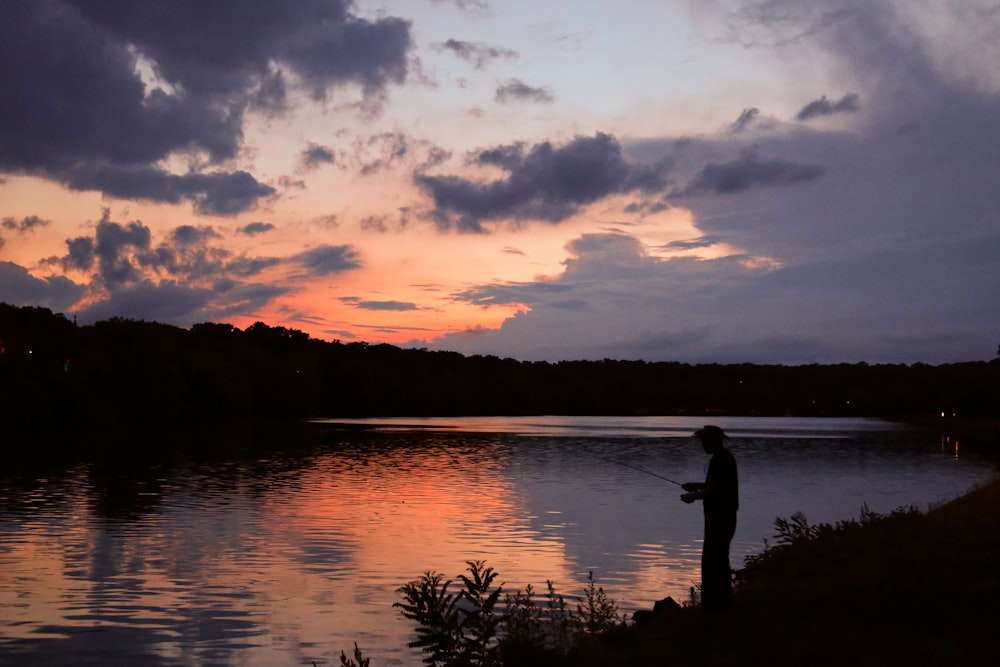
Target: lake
<point>289,549</point>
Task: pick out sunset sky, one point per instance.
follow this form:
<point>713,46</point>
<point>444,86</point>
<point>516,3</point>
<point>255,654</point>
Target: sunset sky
<point>787,181</point>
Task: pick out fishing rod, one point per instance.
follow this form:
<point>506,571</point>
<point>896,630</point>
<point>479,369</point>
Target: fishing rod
<point>665,479</point>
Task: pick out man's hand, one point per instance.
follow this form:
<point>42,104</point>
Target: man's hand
<point>689,497</point>
<point>691,487</point>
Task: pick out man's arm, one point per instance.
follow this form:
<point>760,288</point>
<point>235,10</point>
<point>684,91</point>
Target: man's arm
<point>695,491</point>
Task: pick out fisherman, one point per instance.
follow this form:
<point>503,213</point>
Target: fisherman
<point>719,494</point>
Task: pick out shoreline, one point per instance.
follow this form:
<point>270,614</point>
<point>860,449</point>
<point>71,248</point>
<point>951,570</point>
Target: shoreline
<point>914,589</point>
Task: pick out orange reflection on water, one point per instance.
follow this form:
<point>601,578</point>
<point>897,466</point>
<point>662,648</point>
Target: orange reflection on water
<point>414,511</point>
<point>276,562</point>
<point>947,444</point>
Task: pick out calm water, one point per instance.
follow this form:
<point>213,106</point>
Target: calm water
<point>290,556</point>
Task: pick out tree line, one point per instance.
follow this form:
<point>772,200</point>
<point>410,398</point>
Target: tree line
<point>54,373</point>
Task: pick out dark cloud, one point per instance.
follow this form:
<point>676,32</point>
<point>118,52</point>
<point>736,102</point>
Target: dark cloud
<point>647,206</point>
<point>507,157</point>
<point>327,260</point>
<point>246,267</point>
<point>510,293</point>
<point>745,120</point>
<point>750,171</point>
<point>477,53</point>
<point>238,298</point>
<point>694,244</point>
<point>594,256</point>
<point>187,235</point>
<point>21,226</point>
<point>271,96</point>
<point>186,277</point>
<point>543,182</point>
<point>389,149</point>
<point>316,156</point>
<point>375,223</point>
<point>25,224</point>
<point>348,49</point>
<point>477,6</point>
<point>384,223</point>
<point>216,193</point>
<point>289,183</point>
<point>328,221</point>
<point>121,251</point>
<point>226,193</point>
<point>823,107</point>
<point>255,228</point>
<point>80,254</point>
<point>435,156</point>
<point>81,100</point>
<point>19,288</point>
<point>121,256</point>
<point>166,302</point>
<point>396,306</point>
<point>182,305</point>
<point>226,48</point>
<point>106,90</point>
<point>515,90</point>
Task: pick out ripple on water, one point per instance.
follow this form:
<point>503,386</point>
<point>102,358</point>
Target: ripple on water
<point>291,558</point>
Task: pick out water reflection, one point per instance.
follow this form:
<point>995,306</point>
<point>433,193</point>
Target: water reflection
<point>293,552</point>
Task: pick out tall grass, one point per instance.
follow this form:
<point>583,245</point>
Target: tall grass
<point>471,622</point>
<point>472,628</point>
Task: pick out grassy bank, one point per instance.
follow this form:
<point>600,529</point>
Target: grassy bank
<point>909,589</point>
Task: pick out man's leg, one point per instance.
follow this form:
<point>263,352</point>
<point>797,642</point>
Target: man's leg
<point>716,576</point>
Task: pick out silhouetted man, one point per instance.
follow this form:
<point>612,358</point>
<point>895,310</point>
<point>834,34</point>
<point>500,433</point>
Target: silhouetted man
<point>719,494</point>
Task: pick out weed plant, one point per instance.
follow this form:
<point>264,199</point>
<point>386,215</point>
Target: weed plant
<point>471,629</point>
<point>858,591</point>
<point>798,542</point>
<point>357,661</point>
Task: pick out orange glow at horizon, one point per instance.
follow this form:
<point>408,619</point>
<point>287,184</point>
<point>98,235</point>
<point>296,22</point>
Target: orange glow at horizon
<point>409,282</point>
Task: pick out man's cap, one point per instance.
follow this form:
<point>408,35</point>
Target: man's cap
<point>710,432</point>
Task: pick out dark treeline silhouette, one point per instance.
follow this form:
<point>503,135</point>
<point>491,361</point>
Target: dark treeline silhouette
<point>54,373</point>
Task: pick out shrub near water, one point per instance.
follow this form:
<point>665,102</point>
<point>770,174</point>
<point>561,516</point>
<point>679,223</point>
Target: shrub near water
<point>799,542</point>
<point>855,592</point>
<point>466,629</point>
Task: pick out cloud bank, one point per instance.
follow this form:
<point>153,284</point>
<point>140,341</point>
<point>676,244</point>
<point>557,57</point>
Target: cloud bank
<point>541,182</point>
<point>879,240</point>
<point>187,277</point>
<point>108,90</point>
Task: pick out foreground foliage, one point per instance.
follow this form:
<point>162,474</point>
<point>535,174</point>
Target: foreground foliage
<point>900,588</point>
<point>797,541</point>
<point>471,628</point>
<point>357,661</point>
